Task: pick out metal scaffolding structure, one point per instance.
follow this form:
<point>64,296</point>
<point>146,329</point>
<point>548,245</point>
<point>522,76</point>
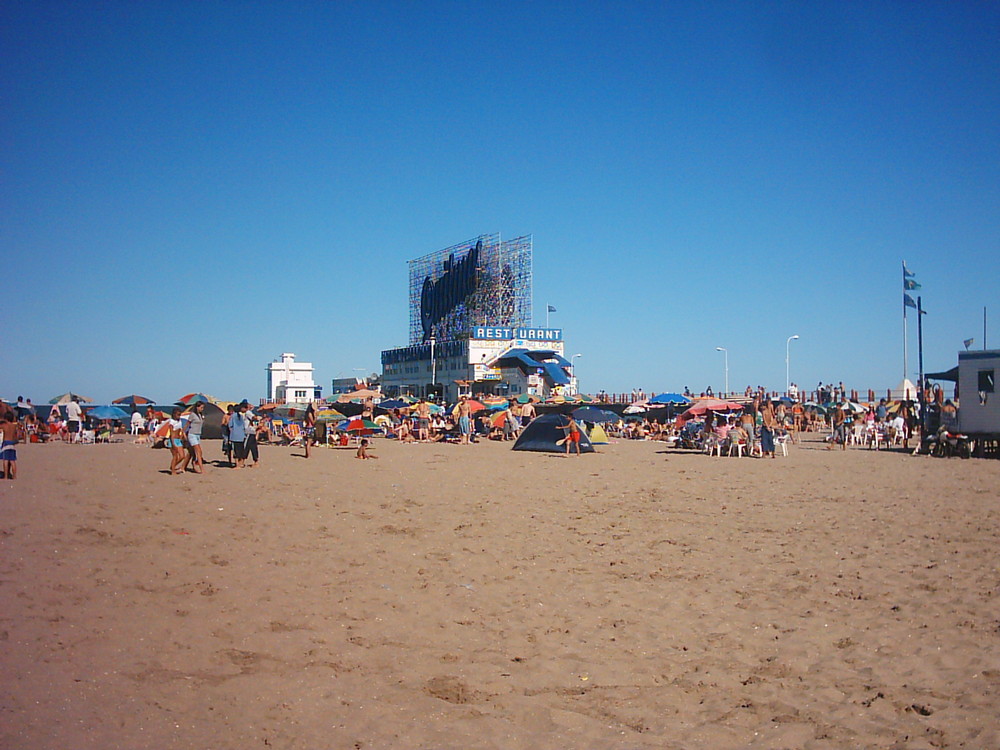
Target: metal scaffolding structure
<point>483,281</point>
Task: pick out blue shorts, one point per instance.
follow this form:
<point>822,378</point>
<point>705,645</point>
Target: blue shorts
<point>194,440</point>
<point>8,452</point>
<point>176,443</point>
<point>464,425</point>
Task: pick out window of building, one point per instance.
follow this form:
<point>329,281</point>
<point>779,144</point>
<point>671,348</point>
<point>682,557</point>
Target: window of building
<point>986,380</point>
<point>300,394</point>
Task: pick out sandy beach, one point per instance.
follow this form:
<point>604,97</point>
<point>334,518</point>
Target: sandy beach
<point>473,597</point>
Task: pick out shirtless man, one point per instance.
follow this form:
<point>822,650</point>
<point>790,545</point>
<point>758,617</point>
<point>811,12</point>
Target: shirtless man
<point>464,419</point>
<point>572,434</point>
<point>423,421</point>
<point>8,453</point>
<point>527,414</point>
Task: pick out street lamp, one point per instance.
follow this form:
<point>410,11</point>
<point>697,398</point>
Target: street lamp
<point>787,343</point>
<point>433,364</point>
<point>726,352</point>
<point>572,366</point>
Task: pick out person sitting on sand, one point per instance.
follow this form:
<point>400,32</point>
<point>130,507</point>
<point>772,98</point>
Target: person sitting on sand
<point>363,449</point>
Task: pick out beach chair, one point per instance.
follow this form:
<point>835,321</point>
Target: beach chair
<point>736,445</point>
<point>293,433</point>
<point>87,437</point>
<point>781,440</point>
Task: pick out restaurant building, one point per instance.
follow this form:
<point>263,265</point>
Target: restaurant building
<point>470,327</point>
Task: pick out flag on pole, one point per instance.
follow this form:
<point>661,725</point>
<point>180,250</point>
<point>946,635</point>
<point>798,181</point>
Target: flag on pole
<point>909,285</point>
<point>908,301</point>
<point>907,273</point>
<point>551,308</point>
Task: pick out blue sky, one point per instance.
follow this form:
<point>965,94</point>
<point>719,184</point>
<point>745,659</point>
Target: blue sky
<point>196,187</point>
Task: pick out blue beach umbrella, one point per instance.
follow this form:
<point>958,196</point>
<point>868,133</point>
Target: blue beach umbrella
<point>670,398</point>
<point>107,412</point>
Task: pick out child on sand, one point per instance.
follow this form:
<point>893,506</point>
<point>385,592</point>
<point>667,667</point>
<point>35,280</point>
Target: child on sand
<point>8,453</point>
<point>572,430</point>
<point>363,450</point>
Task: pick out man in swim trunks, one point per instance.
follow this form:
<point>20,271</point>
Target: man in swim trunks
<point>572,434</point>
<point>74,417</point>
<point>8,453</point>
<point>423,421</point>
<point>464,419</point>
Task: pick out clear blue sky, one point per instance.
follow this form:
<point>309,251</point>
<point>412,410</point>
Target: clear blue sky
<point>189,189</point>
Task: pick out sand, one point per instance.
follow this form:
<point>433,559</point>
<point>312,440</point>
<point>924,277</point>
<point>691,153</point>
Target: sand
<point>473,597</point>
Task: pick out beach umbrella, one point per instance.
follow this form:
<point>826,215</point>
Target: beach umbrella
<point>394,403</point>
<point>525,398</point>
<point>594,415</point>
<point>853,407</point>
<point>475,406</point>
<point>133,400</point>
<point>69,396</point>
<point>635,409</point>
<point>670,398</point>
<point>328,415</point>
<point>497,420</point>
<point>192,398</point>
<point>358,395</point>
<point>362,426</point>
<point>703,406</point>
<point>107,412</point>
<point>290,411</point>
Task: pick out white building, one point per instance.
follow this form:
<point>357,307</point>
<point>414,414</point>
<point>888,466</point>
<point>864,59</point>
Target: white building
<point>289,381</point>
<point>979,412</point>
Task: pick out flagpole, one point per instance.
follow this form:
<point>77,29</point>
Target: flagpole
<point>904,320</point>
<point>920,341</point>
<point>546,314</point>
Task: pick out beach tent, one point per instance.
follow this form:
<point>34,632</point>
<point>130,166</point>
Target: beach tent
<point>597,435</point>
<point>544,433</point>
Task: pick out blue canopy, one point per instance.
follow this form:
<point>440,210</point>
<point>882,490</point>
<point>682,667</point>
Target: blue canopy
<point>533,359</point>
<point>670,398</point>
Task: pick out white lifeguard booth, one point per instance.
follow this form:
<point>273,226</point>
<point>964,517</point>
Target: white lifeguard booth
<point>979,412</point>
<point>289,381</point>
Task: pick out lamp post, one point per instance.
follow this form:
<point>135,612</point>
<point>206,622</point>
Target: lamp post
<point>787,343</point>
<point>726,353</point>
<point>572,366</point>
<point>433,364</point>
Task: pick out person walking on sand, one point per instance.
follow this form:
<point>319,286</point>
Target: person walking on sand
<point>839,428</point>
<point>423,421</point>
<point>227,444</point>
<point>175,440</point>
<point>464,419</point>
<point>238,437</point>
<point>74,418</point>
<point>8,451</point>
<point>308,427</point>
<point>769,423</point>
<point>193,426</point>
<point>250,441</point>
<point>572,430</point>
